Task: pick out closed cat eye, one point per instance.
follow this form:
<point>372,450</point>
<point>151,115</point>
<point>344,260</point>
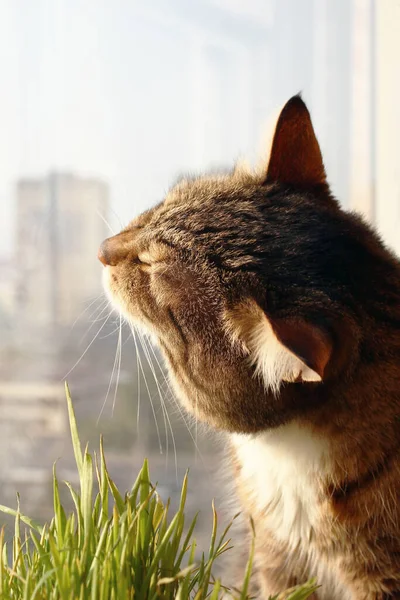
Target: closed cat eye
<point>144,258</point>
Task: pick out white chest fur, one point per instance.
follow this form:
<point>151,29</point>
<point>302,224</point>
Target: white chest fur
<point>282,470</point>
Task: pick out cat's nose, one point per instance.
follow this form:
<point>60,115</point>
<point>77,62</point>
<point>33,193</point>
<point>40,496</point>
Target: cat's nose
<point>113,250</point>
<point>102,253</point>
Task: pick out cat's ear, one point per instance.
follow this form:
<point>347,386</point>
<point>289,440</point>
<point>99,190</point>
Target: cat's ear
<point>295,157</point>
<point>290,350</point>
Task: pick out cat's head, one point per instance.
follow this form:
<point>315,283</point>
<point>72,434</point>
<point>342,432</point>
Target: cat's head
<point>249,283</point>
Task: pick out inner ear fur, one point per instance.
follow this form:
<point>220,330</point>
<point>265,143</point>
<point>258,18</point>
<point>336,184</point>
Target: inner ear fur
<point>295,157</point>
<point>284,350</point>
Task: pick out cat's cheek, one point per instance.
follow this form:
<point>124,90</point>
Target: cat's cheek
<point>161,292</point>
<point>176,287</point>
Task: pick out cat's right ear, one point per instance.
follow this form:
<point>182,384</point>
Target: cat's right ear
<point>282,350</point>
<point>295,159</point>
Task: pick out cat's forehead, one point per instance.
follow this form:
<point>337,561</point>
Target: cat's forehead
<point>207,189</point>
<point>191,195</point>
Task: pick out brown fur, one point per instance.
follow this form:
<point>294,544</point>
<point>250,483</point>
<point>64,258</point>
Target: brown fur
<point>279,246</point>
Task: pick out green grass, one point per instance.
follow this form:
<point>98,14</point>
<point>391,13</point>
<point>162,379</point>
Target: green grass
<point>114,547</point>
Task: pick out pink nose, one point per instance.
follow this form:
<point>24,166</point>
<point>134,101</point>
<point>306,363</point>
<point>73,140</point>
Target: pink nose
<point>114,249</point>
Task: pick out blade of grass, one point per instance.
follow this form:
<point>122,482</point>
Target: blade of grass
<point>74,432</point>
<point>249,566</point>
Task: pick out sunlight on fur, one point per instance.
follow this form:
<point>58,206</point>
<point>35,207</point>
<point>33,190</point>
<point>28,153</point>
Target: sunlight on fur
<point>275,364</point>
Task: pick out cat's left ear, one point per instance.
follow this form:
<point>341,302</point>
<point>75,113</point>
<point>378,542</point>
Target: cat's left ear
<point>295,157</point>
<point>283,350</point>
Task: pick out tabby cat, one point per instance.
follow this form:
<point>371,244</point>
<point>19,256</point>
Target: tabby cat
<point>278,314</point>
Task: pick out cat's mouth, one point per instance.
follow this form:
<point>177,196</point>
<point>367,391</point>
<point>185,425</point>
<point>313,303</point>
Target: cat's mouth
<point>111,287</point>
<point>123,299</point>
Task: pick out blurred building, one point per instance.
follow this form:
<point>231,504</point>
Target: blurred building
<point>33,430</point>
<point>59,227</point>
<point>7,292</point>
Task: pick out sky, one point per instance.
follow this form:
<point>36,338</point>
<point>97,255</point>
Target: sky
<point>133,92</point>
<point>71,77</point>
<point>101,88</point>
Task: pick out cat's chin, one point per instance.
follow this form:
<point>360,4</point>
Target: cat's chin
<point>232,419</point>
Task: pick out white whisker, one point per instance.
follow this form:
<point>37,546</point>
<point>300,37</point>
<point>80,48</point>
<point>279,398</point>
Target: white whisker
<point>118,219</point>
<point>97,310</point>
<point>163,404</point>
<point>103,337</point>
<point>105,221</point>
<point>87,348</point>
<point>85,311</point>
<point>119,348</point>
<point>196,427</point>
<point>97,319</point>
<point>148,390</point>
<point>145,351</point>
<point>109,384</point>
<point>182,415</point>
<point>129,336</point>
<point>138,380</point>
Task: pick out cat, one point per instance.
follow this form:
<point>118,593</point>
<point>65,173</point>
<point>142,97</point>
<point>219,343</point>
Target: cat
<point>278,314</point>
